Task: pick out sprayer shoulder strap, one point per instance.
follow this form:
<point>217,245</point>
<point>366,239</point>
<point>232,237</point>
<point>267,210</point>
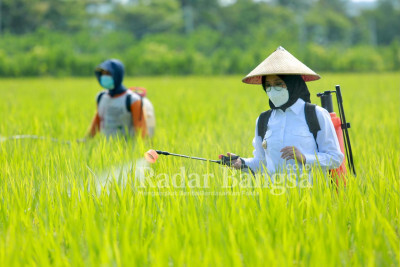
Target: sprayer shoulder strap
<point>310,115</point>
<point>311,119</point>
<point>99,96</point>
<point>262,124</point>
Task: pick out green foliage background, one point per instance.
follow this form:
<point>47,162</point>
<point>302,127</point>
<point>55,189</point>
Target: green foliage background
<point>170,37</point>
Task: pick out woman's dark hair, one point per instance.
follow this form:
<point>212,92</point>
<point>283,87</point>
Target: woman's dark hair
<point>297,89</point>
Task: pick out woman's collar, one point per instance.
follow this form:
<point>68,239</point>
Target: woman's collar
<point>297,106</point>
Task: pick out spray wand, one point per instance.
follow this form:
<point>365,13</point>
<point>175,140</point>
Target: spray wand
<point>152,156</point>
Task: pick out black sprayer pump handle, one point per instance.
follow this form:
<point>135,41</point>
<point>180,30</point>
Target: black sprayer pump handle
<point>345,125</point>
<point>339,94</point>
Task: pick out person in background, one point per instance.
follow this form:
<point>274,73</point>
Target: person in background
<point>285,138</point>
<point>119,110</point>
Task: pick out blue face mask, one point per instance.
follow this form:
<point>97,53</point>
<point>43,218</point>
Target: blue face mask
<point>107,82</point>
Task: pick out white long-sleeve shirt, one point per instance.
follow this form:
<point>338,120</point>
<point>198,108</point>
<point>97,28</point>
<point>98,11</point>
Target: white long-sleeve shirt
<point>289,128</point>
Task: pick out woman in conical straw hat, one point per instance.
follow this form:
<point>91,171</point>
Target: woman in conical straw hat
<point>287,136</point>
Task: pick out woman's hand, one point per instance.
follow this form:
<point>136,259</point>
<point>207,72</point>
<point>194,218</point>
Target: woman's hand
<point>292,152</point>
<point>236,163</point>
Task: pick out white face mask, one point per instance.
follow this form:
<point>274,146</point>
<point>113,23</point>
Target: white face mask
<point>278,95</point>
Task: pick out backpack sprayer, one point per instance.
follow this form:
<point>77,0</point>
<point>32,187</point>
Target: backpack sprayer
<point>342,132</point>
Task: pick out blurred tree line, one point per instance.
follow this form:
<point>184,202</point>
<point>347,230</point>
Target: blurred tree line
<point>70,37</point>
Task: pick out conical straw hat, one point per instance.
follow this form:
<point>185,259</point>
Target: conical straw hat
<point>280,62</point>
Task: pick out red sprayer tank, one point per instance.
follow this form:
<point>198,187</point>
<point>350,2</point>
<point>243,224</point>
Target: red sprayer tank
<point>147,108</point>
<point>339,173</point>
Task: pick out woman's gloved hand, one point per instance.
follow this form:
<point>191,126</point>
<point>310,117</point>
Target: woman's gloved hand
<point>232,160</point>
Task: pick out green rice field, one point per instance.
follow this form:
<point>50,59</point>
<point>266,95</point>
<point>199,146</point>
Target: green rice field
<point>97,203</point>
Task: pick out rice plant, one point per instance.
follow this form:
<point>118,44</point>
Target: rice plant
<point>97,203</point>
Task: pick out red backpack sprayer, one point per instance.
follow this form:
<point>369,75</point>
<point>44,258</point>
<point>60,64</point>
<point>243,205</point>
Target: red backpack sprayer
<point>342,132</point>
